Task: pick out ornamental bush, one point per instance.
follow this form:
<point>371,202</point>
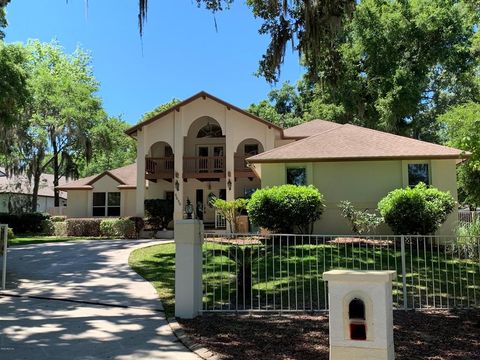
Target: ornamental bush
<point>83,227</point>
<point>118,228</point>
<point>416,211</point>
<point>27,223</point>
<point>159,213</point>
<point>286,208</point>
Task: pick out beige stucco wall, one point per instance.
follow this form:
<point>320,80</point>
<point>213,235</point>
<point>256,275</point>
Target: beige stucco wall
<point>364,183</point>
<point>80,201</point>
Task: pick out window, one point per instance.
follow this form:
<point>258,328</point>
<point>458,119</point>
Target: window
<point>106,204</point>
<point>418,173</point>
<point>99,204</point>
<point>210,131</point>
<point>297,176</point>
<point>251,149</point>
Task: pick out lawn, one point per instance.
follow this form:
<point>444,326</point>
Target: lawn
<point>35,239</point>
<point>289,277</point>
<point>157,265</point>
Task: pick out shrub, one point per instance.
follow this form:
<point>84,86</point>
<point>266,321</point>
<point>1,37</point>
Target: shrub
<point>48,227</point>
<point>118,228</point>
<point>468,238</point>
<point>139,224</point>
<point>282,208</point>
<point>10,234</point>
<point>60,228</point>
<point>416,211</point>
<point>24,223</point>
<point>361,222</point>
<point>83,227</point>
<point>58,218</point>
<point>159,212</point>
<point>230,210</point>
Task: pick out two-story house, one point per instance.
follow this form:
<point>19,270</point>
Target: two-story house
<point>198,150</point>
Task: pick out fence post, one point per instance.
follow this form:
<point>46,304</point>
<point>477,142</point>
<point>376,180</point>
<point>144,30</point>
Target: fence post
<point>188,268</point>
<point>4,235</point>
<point>404,272</point>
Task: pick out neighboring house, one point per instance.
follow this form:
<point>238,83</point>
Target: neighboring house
<point>198,150</point>
<point>16,193</point>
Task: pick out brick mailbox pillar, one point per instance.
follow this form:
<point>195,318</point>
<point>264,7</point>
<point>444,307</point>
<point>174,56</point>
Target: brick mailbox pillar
<point>188,268</point>
<point>361,314</point>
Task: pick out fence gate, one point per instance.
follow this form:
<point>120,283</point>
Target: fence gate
<point>283,272</point>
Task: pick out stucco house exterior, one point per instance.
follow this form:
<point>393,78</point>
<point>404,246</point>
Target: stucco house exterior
<point>16,190</point>
<point>205,147</point>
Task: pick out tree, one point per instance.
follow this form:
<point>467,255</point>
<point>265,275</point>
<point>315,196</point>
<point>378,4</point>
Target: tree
<point>3,19</point>
<point>462,128</point>
<point>63,108</point>
<point>111,148</point>
<point>416,211</point>
<point>159,109</point>
<point>13,83</point>
<point>362,222</point>
<point>230,210</point>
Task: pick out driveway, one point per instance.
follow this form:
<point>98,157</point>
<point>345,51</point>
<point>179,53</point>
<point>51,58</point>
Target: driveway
<point>81,300</point>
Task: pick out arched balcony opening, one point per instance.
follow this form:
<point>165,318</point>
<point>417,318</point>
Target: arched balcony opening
<point>204,151</point>
<point>246,149</point>
<point>159,163</point>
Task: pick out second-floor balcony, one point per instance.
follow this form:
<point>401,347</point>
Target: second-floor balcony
<point>197,167</point>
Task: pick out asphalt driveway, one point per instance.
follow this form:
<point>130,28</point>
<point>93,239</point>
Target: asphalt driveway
<point>81,300</point>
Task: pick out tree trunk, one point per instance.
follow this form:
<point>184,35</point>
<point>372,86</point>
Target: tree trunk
<point>56,171</point>
<point>36,184</point>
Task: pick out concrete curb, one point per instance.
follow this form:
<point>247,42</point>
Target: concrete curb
<point>199,349</point>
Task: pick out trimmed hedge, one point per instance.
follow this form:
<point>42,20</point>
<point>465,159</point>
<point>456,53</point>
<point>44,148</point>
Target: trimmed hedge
<point>416,211</point>
<point>83,227</point>
<point>60,228</point>
<point>58,218</point>
<point>24,223</point>
<point>118,228</point>
<point>280,208</point>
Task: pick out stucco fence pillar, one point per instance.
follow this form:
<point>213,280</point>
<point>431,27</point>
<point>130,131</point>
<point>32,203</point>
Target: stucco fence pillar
<point>188,268</point>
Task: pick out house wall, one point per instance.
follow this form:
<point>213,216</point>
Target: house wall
<point>179,129</point>
<point>364,183</point>
<point>77,205</point>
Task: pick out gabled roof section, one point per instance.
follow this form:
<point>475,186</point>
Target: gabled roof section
<point>204,95</point>
<point>126,176</point>
<point>350,142</point>
<point>309,128</point>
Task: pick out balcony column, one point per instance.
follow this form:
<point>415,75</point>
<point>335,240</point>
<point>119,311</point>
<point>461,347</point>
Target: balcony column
<point>140,191</point>
<point>230,148</point>
<point>178,148</point>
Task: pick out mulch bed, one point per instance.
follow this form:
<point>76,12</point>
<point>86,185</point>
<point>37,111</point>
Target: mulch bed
<point>433,334</point>
<point>361,241</point>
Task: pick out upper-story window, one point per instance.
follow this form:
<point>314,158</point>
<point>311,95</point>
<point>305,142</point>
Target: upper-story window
<point>210,131</point>
<point>251,149</point>
<point>106,204</point>
<point>418,173</point>
<point>297,176</point>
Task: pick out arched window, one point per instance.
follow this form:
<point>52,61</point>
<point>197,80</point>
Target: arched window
<point>210,131</point>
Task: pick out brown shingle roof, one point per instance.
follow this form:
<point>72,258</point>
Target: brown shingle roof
<point>126,176</point>
<point>309,128</point>
<point>350,142</point>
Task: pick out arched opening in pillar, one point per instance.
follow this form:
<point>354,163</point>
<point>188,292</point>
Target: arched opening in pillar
<point>356,316</point>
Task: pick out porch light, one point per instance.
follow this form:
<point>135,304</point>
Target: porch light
<point>189,209</point>
<point>177,185</point>
<point>229,184</point>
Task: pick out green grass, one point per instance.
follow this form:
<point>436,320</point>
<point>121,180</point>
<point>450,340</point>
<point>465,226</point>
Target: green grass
<point>277,280</point>
<point>36,239</point>
<point>156,264</point>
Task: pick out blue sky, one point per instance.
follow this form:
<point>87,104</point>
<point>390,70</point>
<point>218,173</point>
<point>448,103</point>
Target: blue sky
<point>182,52</point>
